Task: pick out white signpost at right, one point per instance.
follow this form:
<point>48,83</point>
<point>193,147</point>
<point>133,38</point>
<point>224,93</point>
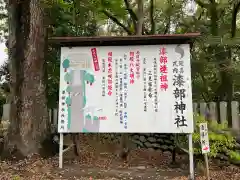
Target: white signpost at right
<point>205,145</point>
<point>204,138</point>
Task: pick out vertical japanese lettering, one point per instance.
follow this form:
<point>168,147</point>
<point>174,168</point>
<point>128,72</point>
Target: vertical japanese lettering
<point>144,85</point>
<point>125,86</point>
<point>103,65</point>
<point>103,86</point>
<point>138,64</point>
<point>179,93</point>
<point>163,69</point>
<point>155,85</point>
<point>110,73</point>
<point>121,90</point>
<point>62,121</point>
<point>103,78</point>
<point>95,59</point>
<point>131,68</point>
<point>150,84</point>
<point>116,86</point>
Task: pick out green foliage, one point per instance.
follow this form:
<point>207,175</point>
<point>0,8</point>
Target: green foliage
<point>16,177</point>
<point>63,18</point>
<point>89,18</point>
<point>2,102</point>
<point>221,141</point>
<point>3,21</point>
<point>234,156</point>
<point>66,18</point>
<point>3,128</point>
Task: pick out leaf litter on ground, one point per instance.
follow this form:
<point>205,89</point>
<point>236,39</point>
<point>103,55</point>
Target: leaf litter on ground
<point>101,163</point>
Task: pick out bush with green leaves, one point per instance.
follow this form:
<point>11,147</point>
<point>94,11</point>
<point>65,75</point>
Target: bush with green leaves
<point>3,128</point>
<point>221,140</point>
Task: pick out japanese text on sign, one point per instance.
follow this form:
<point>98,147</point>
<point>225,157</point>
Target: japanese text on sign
<point>103,78</point>
<point>131,74</point>
<point>163,69</point>
<point>179,92</point>
<point>138,89</point>
<point>155,86</point>
<point>137,64</point>
<point>110,74</point>
<point>204,138</point>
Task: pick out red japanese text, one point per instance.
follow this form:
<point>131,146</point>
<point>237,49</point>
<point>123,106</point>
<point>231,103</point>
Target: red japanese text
<point>95,59</point>
<point>131,74</point>
<point>102,118</point>
<point>110,74</point>
<point>163,69</point>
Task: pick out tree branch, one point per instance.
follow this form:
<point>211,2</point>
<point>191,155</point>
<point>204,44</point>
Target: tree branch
<point>201,4</point>
<point>129,22</point>
<point>167,26</point>
<point>153,29</point>
<point>236,8</point>
<point>132,14</point>
<point>205,88</point>
<point>114,19</point>
<point>130,11</point>
<point>200,15</point>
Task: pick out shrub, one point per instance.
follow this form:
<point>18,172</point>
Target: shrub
<point>221,141</point>
<point>3,128</point>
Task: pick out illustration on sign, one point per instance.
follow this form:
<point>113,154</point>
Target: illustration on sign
<point>126,89</point>
<point>204,138</point>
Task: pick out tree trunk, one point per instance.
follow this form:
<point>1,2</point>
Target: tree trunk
<point>140,17</point>
<point>225,90</point>
<point>124,141</point>
<point>29,116</point>
<point>222,56</point>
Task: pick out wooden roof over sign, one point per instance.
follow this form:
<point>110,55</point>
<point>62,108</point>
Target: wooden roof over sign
<point>187,38</point>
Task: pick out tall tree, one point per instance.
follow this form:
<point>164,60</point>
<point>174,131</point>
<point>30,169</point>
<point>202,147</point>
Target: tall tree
<point>221,54</point>
<point>138,21</point>
<point>28,116</point>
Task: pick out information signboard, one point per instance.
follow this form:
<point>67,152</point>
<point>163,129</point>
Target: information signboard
<point>140,88</point>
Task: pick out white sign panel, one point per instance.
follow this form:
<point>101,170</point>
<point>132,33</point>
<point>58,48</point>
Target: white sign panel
<point>204,138</point>
<point>141,89</point>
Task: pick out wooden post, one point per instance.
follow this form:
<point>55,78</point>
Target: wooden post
<point>223,112</point>
<point>203,109</point>
<point>206,166</point>
<point>235,116</point>
<point>213,111</point>
<point>205,145</point>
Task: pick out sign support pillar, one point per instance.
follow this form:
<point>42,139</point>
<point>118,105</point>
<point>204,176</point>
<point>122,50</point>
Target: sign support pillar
<point>61,151</point>
<point>191,163</point>
<point>207,166</point>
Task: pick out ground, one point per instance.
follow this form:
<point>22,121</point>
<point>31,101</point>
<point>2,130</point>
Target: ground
<point>99,161</point>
